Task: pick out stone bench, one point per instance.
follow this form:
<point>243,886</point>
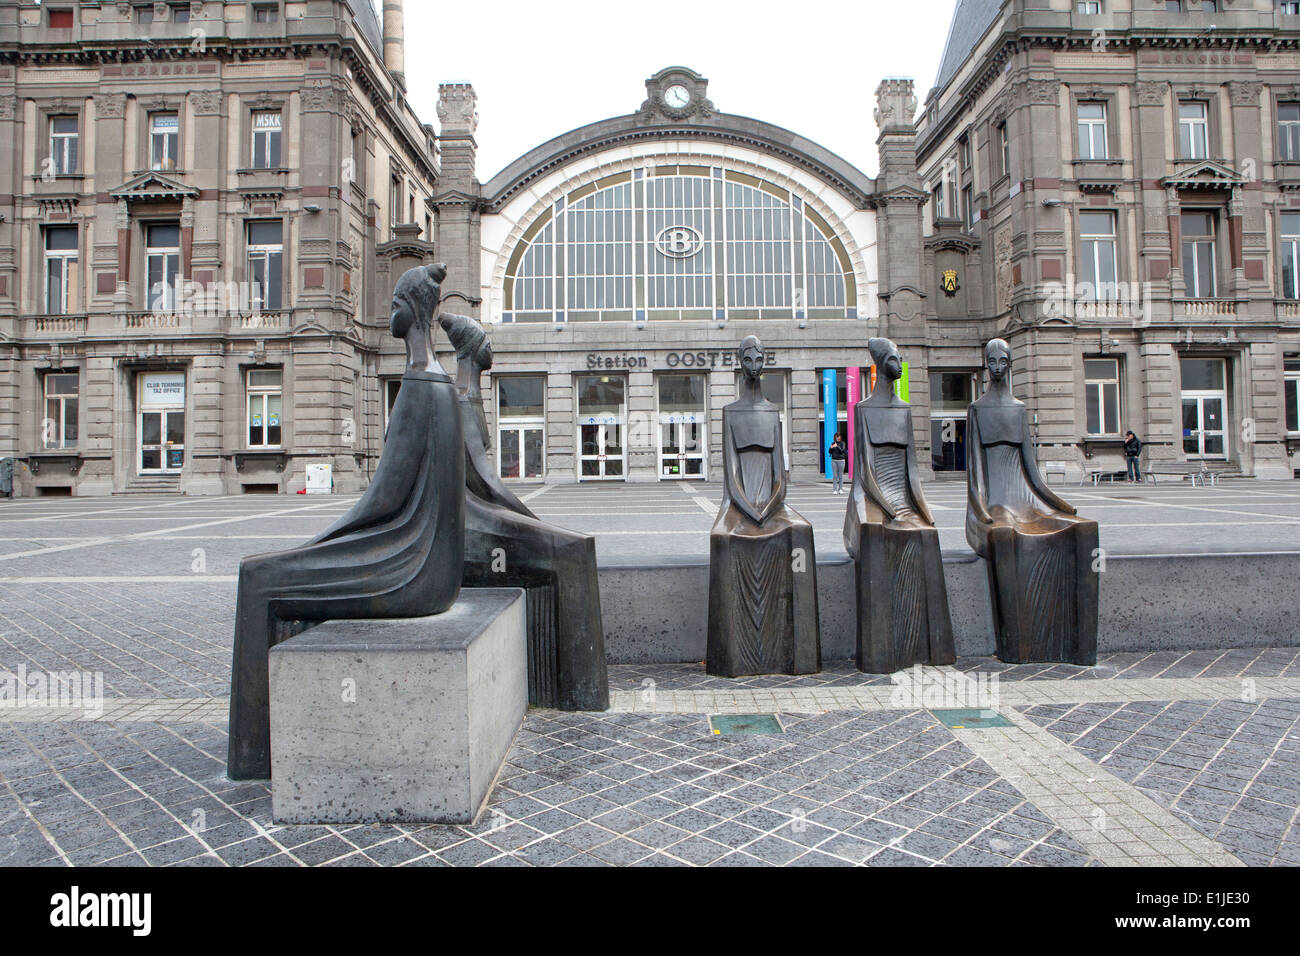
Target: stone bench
<point>398,720</point>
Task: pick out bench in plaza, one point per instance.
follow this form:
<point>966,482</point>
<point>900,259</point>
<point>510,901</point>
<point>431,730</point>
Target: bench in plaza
<point>1193,470</point>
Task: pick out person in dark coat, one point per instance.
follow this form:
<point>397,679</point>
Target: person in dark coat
<point>1132,449</point>
<point>838,451</point>
<point>398,552</point>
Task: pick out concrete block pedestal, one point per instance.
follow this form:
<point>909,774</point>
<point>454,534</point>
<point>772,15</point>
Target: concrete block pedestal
<point>398,720</point>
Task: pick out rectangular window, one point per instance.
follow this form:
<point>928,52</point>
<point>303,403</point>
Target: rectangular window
<point>162,246</point>
<point>521,426</point>
<point>59,429</point>
<point>265,404</point>
<point>1092,131</point>
<point>1198,254</point>
<point>63,144</point>
<point>951,393</point>
<point>1088,8</point>
<point>1174,6</point>
<point>60,19</point>
<point>62,275</point>
<point>963,151</point>
<point>180,14</point>
<point>968,208</point>
<point>1290,8</point>
<point>394,206</point>
<point>1193,131</point>
<point>1290,255</point>
<point>144,14</point>
<point>1292,393</point>
<point>1004,149</point>
<point>266,13</point>
<point>164,140</point>
<point>1101,395</point>
<point>1288,131</point>
<point>1097,254</point>
<point>266,139</point>
<point>1209,6</point>
<point>265,264</point>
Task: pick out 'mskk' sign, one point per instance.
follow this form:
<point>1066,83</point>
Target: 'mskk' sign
<point>679,242</point>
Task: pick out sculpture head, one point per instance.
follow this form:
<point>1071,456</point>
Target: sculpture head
<point>752,357</point>
<point>888,362</point>
<point>997,359</point>
<point>415,299</point>
<point>469,339</point>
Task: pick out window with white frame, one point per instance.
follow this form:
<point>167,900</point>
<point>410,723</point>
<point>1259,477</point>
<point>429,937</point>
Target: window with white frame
<point>1004,149</point>
<point>1101,395</point>
<point>59,428</point>
<point>266,264</point>
<point>1088,8</point>
<point>968,208</point>
<point>1092,130</point>
<point>63,144</point>
<point>162,248</point>
<point>62,275</point>
<point>265,406</point>
<point>1292,393</point>
<point>1097,255</point>
<point>164,140</point>
<point>394,206</point>
<point>1198,228</point>
<point>266,139</point>
<point>1288,131</point>
<point>1290,8</point>
<point>1193,130</point>
<point>1290,255</point>
<point>963,152</point>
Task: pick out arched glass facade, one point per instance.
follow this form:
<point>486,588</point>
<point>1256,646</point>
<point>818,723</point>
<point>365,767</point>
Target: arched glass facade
<point>678,242</point>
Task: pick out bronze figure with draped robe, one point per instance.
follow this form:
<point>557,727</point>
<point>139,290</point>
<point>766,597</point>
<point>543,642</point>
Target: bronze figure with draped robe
<point>1043,585</point>
<point>506,545</point>
<point>762,565</point>
<point>902,600</point>
<point>396,553</point>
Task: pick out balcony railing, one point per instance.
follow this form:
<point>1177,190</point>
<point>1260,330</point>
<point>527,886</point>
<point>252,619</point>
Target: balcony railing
<point>134,321</point>
<point>1288,308</point>
<point>1209,308</point>
<point>264,320</point>
<point>57,325</point>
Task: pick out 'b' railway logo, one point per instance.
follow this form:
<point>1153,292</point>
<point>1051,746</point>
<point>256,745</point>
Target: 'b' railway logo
<point>679,242</point>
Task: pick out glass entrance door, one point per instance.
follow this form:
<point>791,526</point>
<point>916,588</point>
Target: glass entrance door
<point>521,451</point>
<point>602,412</point>
<point>1203,433</point>
<point>1205,405</point>
<point>162,440</point>
<point>683,424</point>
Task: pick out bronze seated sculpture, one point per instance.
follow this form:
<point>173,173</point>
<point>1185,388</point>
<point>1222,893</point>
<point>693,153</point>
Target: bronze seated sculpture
<point>1042,583</point>
<point>902,600</point>
<point>506,545</point>
<point>762,565</point>
<point>396,553</point>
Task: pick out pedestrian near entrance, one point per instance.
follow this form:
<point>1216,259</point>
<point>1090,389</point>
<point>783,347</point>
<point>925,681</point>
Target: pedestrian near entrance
<point>1132,449</point>
<point>837,452</point>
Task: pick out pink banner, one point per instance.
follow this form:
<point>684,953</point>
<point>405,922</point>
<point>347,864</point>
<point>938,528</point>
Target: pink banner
<point>854,376</point>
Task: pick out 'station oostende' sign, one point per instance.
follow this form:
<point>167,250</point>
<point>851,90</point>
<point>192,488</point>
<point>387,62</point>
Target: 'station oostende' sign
<point>709,358</point>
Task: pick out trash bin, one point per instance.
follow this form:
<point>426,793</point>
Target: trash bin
<point>7,477</point>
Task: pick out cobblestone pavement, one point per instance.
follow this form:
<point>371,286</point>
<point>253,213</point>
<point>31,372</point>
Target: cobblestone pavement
<point>1146,759</point>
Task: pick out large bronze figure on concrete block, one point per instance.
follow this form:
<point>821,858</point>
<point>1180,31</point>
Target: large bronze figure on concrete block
<point>1042,583</point>
<point>506,545</point>
<point>396,553</point>
<point>902,600</point>
<point>762,566</point>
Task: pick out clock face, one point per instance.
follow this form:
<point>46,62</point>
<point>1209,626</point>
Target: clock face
<point>677,96</point>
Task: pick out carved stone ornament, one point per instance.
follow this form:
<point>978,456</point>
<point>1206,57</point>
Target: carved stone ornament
<point>1245,93</point>
<point>8,106</point>
<point>110,106</point>
<point>206,102</point>
<point>1150,93</point>
<point>1041,92</point>
<point>895,103</point>
<point>456,108</point>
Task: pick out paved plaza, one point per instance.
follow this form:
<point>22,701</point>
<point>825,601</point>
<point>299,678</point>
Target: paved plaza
<point>1146,759</point>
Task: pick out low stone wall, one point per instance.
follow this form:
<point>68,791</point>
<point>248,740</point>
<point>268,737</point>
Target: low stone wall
<point>659,613</point>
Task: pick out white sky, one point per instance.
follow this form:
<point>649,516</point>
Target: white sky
<point>543,67</point>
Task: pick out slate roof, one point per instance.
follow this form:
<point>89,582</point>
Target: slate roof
<point>969,21</point>
<point>363,12</point>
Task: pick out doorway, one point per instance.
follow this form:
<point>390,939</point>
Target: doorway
<point>160,424</point>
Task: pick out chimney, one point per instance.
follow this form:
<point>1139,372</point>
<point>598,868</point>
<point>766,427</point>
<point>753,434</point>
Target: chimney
<point>395,41</point>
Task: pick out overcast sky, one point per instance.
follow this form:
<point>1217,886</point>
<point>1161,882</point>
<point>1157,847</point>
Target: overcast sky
<point>544,67</point>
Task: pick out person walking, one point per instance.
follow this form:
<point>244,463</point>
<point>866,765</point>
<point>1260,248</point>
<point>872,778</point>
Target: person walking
<point>1132,449</point>
<point>837,452</point>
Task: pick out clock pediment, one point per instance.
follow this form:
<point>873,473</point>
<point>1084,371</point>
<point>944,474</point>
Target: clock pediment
<point>676,93</point>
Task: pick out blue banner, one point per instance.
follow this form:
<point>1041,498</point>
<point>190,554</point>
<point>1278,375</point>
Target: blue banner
<point>830,416</point>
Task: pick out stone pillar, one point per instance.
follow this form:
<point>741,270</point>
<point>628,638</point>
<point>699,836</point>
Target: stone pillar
<point>395,41</point>
<point>456,202</point>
